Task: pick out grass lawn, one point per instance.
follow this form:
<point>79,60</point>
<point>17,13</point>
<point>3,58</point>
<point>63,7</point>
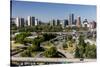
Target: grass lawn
<point>34,54</point>
<point>14,45</point>
<point>48,45</point>
<point>70,49</point>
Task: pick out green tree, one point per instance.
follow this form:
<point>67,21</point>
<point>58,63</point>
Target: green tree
<point>65,45</point>
<point>85,50</point>
<point>51,52</point>
<point>26,53</point>
<point>36,43</point>
<point>28,40</point>
<point>69,37</point>
<point>81,40</point>
<point>48,36</point>
<point>77,54</point>
<point>90,51</point>
<point>70,43</point>
<point>81,51</point>
<point>21,37</point>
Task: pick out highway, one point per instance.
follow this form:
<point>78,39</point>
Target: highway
<point>30,59</point>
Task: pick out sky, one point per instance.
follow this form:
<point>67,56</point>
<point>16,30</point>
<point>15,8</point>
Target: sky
<point>48,11</point>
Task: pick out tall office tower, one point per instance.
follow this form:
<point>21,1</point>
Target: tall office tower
<point>78,24</point>
<point>52,23</point>
<point>12,21</point>
<point>31,21</point>
<point>64,23</point>
<point>19,22</point>
<point>58,22</point>
<point>71,19</point>
<point>75,21</point>
<point>40,22</point>
<point>36,22</point>
<point>26,23</point>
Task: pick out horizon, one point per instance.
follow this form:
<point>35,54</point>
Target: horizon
<point>48,11</point>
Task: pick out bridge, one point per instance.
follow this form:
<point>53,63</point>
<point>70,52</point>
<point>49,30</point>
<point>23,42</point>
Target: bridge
<point>65,32</point>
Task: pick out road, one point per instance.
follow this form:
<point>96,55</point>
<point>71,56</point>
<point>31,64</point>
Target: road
<point>30,59</point>
<point>90,41</point>
<point>38,55</point>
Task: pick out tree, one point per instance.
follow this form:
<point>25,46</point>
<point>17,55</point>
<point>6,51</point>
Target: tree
<point>69,37</point>
<point>90,51</point>
<point>70,43</point>
<point>51,52</point>
<point>77,54</point>
<point>85,50</point>
<point>81,51</point>
<point>68,29</point>
<point>20,37</point>
<point>81,41</point>
<point>28,40</point>
<point>48,36</point>
<point>26,53</point>
<point>65,45</point>
<point>36,43</point>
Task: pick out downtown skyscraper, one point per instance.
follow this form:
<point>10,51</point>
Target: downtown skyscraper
<point>19,22</point>
<point>71,19</point>
<point>78,23</point>
<point>31,21</point>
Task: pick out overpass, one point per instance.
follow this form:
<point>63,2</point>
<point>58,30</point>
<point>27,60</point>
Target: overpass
<point>30,59</point>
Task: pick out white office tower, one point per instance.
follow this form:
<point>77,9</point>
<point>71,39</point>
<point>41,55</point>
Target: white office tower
<point>19,22</point>
<point>62,23</point>
<point>52,22</point>
<point>31,21</point>
<point>36,22</point>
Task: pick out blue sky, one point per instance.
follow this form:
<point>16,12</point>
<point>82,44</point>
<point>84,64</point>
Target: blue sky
<point>49,11</point>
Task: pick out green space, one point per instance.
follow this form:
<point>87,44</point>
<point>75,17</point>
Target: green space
<point>85,50</point>
<point>42,44</point>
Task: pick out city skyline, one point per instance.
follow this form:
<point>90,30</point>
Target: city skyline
<point>49,11</point>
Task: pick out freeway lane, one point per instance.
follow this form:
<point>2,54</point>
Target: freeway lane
<point>30,59</point>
